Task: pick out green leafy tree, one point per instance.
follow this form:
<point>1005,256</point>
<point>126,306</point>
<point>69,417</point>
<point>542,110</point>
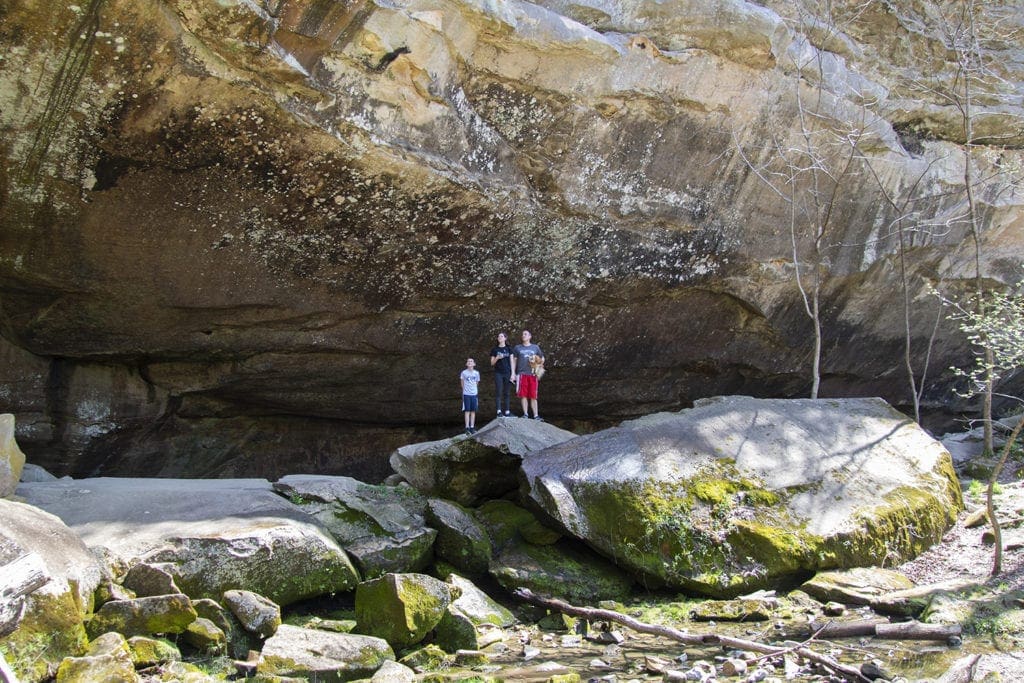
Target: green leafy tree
<point>995,330</point>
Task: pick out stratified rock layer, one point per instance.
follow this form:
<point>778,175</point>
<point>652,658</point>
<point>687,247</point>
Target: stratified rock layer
<point>738,494</point>
<point>236,242</point>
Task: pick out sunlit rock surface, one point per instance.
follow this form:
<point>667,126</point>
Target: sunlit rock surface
<point>241,241</point>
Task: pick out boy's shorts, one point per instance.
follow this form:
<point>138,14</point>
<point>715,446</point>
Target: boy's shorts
<point>527,386</point>
<point>469,403</point>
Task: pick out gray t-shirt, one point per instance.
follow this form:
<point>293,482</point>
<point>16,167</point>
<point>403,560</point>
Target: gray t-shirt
<point>470,379</point>
<point>523,354</point>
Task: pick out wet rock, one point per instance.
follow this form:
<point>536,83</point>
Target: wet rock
<point>472,621</point>
<point>731,610</point>
<point>401,608</point>
<point>322,655</point>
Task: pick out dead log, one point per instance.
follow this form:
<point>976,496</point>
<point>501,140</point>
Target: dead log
<point>848,672</point>
<point>18,578</point>
<point>882,628</point>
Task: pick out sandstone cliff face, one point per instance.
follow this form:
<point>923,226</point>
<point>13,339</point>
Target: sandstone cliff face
<point>240,235</point>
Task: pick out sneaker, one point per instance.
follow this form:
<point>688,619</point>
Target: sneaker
<point>538,418</point>
<point>507,414</point>
<point>524,415</point>
<point>472,430</point>
<point>468,430</point>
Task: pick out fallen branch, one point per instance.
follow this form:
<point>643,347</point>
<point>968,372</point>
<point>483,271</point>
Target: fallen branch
<point>848,672</point>
<point>878,628</point>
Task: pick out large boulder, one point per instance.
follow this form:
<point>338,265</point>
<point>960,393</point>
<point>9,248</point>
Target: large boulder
<point>48,622</point>
<point>381,527</point>
<point>401,608</point>
<point>461,540</point>
<point>322,655</point>
<point>738,494</point>
<point>210,535</point>
<point>12,460</point>
<point>143,616</point>
<point>470,469</point>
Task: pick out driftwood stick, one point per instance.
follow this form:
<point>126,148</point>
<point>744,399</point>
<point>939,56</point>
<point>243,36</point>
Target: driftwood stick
<point>848,672</point>
<point>882,628</point>
<point>915,630</point>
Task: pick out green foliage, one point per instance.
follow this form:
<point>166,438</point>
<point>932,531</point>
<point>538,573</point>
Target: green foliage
<point>994,325</point>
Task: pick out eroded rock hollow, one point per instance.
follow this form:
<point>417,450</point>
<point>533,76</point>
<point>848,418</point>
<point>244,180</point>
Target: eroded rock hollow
<point>262,237</point>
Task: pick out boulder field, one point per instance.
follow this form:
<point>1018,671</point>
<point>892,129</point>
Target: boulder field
<point>730,496</point>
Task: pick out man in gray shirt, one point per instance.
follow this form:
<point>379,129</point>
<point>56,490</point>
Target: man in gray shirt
<point>523,374</point>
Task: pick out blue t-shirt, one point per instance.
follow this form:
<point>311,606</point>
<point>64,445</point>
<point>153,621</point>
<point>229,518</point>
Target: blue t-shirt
<point>470,378</point>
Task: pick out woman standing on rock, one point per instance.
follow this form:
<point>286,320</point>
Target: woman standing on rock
<point>500,361</point>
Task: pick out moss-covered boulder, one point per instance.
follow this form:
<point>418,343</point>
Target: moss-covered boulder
<point>474,468</point>
<point>505,521</point>
<point>210,535</point>
<point>401,608</point>
<point>461,540</point>
<point>566,569</point>
<point>146,651</point>
<point>143,616</point>
<point>382,528</point>
<point>738,494</point>
<point>470,620</point>
<point>322,655</point>
<point>48,622</point>
<point>108,658</point>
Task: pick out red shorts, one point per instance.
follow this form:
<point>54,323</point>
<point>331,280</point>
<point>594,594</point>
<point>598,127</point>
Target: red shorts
<point>527,386</point>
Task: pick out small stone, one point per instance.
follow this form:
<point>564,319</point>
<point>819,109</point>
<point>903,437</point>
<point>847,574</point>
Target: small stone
<point>204,636</point>
<point>258,614</point>
<point>614,637</point>
<point>147,580</point>
<point>572,641</point>
<point>599,664</point>
<point>655,665</point>
<point>734,666</point>
<point>875,670</point>
<point>834,609</point>
<point>529,652</point>
<point>470,658</point>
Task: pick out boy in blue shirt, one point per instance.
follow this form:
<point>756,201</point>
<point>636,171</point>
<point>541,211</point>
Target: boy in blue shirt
<point>469,379</point>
